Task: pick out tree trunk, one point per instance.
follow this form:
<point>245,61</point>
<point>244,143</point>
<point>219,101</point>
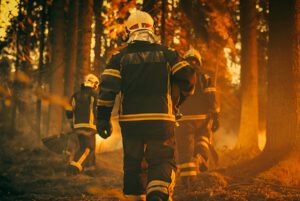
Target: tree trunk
<point>16,84</point>
<point>248,136</point>
<point>163,21</point>
<point>57,65</point>
<point>41,68</point>
<point>84,40</point>
<point>148,6</point>
<point>71,51</point>
<point>98,65</point>
<point>195,13</point>
<point>282,101</point>
<point>296,72</point>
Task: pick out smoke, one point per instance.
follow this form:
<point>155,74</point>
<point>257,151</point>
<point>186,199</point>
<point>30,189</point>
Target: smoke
<point>224,139</point>
<point>114,142</point>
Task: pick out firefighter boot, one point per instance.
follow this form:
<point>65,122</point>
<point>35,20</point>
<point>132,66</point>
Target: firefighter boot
<point>72,170</point>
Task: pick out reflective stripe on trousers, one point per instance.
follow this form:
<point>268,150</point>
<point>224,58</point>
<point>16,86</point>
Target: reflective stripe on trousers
<point>78,164</point>
<point>164,187</point>
<point>188,169</point>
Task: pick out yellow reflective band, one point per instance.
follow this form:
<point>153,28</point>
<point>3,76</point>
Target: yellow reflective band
<point>114,117</point>
<point>73,106</point>
<point>92,111</point>
<point>162,189</point>
<point>135,197</point>
<point>210,89</point>
<point>107,103</point>
<point>179,66</point>
<point>172,185</point>
<point>188,173</point>
<point>73,103</point>
<point>85,125</point>
<point>205,139</point>
<point>79,167</point>
<point>112,72</point>
<point>204,144</point>
<point>187,165</point>
<point>147,116</point>
<point>84,155</point>
<point>78,164</point>
<point>193,117</point>
<point>158,185</point>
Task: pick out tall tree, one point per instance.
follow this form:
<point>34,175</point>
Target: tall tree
<point>196,14</point>
<point>283,77</point>
<point>163,21</point>
<point>41,65</point>
<point>71,51</point>
<point>148,6</point>
<point>98,68</point>
<point>296,72</point>
<point>248,136</point>
<point>26,64</point>
<point>84,40</point>
<point>17,64</point>
<point>57,65</point>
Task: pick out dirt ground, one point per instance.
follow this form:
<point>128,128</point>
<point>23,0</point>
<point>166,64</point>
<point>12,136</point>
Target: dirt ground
<point>36,174</point>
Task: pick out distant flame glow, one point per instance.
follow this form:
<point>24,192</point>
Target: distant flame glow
<point>112,143</point>
<point>233,67</point>
<point>261,139</point>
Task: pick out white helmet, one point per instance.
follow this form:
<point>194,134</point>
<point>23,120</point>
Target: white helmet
<point>192,53</point>
<point>91,80</point>
<point>139,20</point>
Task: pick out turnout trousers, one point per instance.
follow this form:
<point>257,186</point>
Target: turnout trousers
<point>193,146</point>
<point>155,179</point>
<point>84,158</point>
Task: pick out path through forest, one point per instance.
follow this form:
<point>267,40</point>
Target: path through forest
<point>38,174</point>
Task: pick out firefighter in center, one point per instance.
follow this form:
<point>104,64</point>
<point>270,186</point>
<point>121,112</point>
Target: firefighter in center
<point>82,113</point>
<point>143,72</point>
<point>200,119</point>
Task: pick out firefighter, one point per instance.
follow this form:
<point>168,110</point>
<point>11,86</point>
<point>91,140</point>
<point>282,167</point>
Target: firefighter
<point>143,72</point>
<point>82,114</point>
<point>199,120</point>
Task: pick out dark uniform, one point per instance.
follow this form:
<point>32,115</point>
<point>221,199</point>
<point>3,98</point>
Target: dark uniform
<point>195,131</point>
<point>143,72</point>
<point>83,112</point>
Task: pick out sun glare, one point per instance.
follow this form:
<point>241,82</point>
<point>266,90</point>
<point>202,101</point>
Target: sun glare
<point>8,10</point>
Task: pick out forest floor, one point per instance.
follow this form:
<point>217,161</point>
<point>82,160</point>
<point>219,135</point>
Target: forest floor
<point>36,174</point>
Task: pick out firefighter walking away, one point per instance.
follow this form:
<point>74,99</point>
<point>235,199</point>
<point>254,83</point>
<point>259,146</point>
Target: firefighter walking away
<point>199,120</point>
<point>144,72</point>
<point>82,114</point>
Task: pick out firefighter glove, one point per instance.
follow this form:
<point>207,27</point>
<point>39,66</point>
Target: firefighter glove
<point>104,128</point>
<point>215,123</point>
